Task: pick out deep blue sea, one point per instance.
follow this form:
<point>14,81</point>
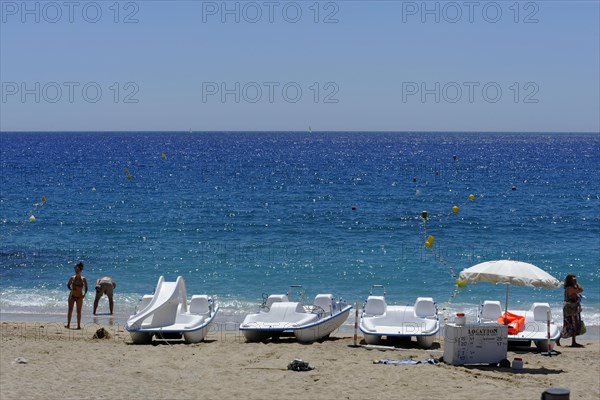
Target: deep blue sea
<point>245,213</point>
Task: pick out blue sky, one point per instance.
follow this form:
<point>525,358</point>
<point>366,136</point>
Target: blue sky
<point>288,65</point>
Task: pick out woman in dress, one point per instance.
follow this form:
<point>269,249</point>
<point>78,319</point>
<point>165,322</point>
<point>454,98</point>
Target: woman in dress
<point>572,310</point>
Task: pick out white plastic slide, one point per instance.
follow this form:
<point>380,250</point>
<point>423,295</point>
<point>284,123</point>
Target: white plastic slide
<point>162,310</point>
<point>166,312</point>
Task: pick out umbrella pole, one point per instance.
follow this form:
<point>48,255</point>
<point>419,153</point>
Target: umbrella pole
<point>506,305</point>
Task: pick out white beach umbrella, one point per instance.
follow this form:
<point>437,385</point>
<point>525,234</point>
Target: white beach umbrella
<point>509,272</point>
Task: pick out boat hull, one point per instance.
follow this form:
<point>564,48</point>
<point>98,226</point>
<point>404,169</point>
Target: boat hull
<point>424,341</point>
<point>400,321</point>
<point>535,328</point>
<point>303,333</point>
<point>322,329</point>
<point>194,334</point>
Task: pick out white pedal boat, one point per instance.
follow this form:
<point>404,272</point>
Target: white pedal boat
<point>380,320</point>
<point>534,329</point>
<point>278,316</point>
<point>166,314</point>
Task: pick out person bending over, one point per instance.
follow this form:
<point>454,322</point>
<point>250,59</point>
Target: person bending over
<point>105,285</point>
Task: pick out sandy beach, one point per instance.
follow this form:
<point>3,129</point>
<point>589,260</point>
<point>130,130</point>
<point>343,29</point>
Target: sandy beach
<point>45,360</point>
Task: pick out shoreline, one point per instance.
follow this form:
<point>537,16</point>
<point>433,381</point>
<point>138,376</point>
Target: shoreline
<point>117,368</point>
<point>225,323</point>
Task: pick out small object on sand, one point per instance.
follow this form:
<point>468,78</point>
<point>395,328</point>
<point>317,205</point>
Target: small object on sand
<point>396,362</point>
<point>20,360</point>
<point>557,393</point>
<point>299,365</point>
<point>408,361</point>
<point>379,347</point>
<point>504,363</point>
<point>517,363</point>
<point>101,334</point>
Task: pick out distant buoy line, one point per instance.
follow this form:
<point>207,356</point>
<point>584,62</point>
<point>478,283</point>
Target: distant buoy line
<point>31,217</point>
<point>443,219</point>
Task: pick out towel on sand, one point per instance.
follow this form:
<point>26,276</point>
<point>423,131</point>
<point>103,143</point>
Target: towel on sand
<point>408,361</point>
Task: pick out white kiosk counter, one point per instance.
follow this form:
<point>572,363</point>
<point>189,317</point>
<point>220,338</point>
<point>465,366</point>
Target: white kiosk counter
<point>475,343</point>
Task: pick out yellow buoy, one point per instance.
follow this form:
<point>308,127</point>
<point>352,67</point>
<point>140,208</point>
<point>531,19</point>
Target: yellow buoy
<point>163,156</point>
<point>471,197</point>
<point>429,241</point>
<point>43,199</point>
<point>31,218</point>
<point>455,209</point>
<point>460,283</point>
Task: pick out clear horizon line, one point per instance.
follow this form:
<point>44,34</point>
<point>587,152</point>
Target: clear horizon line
<point>294,131</point>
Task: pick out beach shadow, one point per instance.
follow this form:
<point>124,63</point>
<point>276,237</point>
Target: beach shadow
<point>171,343</point>
<point>523,371</point>
<point>534,350</point>
<point>329,339</point>
<point>291,339</point>
<point>528,349</point>
<point>403,343</point>
<point>521,349</point>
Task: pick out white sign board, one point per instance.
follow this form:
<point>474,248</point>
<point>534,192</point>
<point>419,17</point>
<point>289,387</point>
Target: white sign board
<point>475,344</point>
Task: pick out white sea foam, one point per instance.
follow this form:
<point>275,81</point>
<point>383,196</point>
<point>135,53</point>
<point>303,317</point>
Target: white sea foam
<point>54,302</point>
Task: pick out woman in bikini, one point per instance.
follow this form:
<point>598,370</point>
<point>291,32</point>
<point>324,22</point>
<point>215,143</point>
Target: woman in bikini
<point>78,289</point>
